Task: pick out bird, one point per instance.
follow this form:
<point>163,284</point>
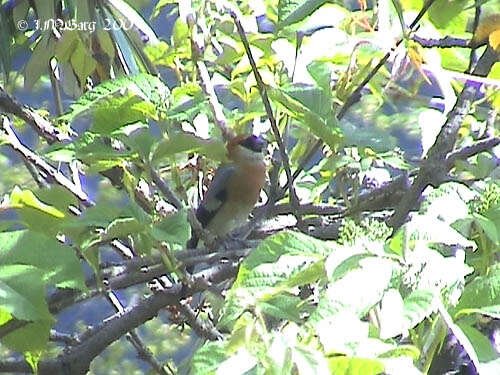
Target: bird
<point>235,188</point>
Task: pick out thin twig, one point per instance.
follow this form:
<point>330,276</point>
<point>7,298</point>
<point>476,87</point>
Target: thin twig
<point>468,151</point>
<point>446,42</point>
<point>356,94</point>
<point>165,190</point>
<point>477,16</point>
<point>41,125</point>
<point>202,328</point>
<point>267,105</point>
<point>42,165</point>
<point>213,101</point>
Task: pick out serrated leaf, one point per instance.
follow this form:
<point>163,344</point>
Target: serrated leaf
<point>282,261</point>
<point>286,243</point>
<point>116,112</point>
<point>482,291</point>
<point>208,358</point>
<point>417,306</point>
<point>357,291</point>
<point>146,87</point>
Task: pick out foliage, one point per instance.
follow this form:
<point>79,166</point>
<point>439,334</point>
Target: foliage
<point>97,200</point>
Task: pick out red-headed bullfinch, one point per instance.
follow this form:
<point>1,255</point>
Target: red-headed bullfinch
<point>235,188</point>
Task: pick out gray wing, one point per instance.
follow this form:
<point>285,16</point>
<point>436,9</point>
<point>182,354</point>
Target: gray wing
<point>216,195</point>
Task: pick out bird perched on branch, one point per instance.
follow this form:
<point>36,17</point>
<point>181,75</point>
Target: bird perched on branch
<point>235,188</point>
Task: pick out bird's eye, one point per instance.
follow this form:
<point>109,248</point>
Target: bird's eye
<point>253,143</point>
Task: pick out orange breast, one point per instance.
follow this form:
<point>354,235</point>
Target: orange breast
<point>246,184</point>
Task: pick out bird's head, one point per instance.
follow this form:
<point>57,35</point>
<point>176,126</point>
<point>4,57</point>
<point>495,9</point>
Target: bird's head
<point>246,149</point>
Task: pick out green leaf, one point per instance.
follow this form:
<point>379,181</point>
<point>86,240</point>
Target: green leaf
<point>147,88</point>
<point>173,229</point>
<point>459,334</point>
<point>482,291</point>
<point>491,311</point>
<point>292,11</point>
<point>26,198</point>
<point>208,358</point>
<point>58,197</point>
<point>113,113</point>
<point>123,227</point>
<point>35,214</point>
<point>355,366</point>
<point>280,262</point>
<point>29,339</point>
<point>482,344</point>
<point>286,243</point>
<point>348,328</point>
<point>58,263</point>
<point>417,306</point>
<point>358,291</point>
<point>488,227</point>
<point>442,12</point>
<point>321,73</point>
<point>82,62</point>
<point>325,129</point>
<point>282,306</point>
<point>39,60</point>
<point>309,361</point>
<point>180,33</point>
<point>140,141</point>
<point>99,154</point>
<point>185,143</point>
<point>22,292</point>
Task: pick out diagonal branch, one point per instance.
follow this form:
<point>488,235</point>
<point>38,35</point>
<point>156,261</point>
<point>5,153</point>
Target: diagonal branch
<point>435,166</point>
<point>42,165</point>
<point>41,125</point>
